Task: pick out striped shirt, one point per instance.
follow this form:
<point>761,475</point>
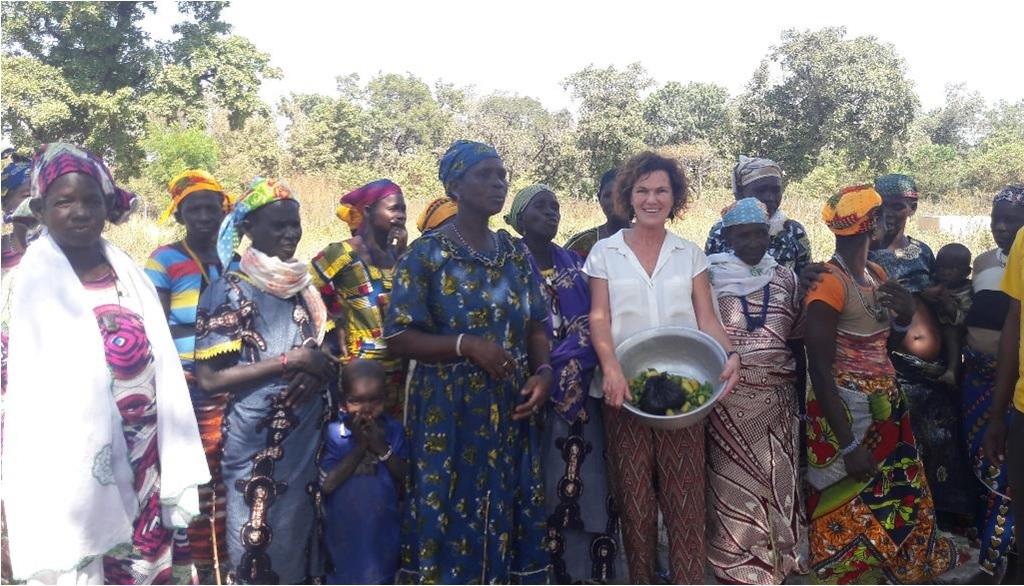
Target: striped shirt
<point>174,272</point>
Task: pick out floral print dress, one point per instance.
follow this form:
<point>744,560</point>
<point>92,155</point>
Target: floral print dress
<point>475,509</point>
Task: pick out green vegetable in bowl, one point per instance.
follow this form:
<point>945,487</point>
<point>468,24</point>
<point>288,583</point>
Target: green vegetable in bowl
<point>662,393</point>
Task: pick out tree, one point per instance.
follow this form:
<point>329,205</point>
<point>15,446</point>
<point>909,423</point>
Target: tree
<point>519,127</point>
<point>323,132</point>
<point>40,106</point>
<point>88,72</point>
<point>820,91</point>
<point>173,149</point>
<point>678,114</point>
<point>97,46</point>
<point>958,123</point>
<point>611,123</point>
<point>403,116</point>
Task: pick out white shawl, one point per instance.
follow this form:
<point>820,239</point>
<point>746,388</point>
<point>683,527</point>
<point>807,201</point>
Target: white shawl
<point>730,276</point>
<point>67,482</point>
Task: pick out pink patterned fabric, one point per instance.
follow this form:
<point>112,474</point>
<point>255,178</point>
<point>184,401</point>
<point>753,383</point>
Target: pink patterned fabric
<point>158,554</point>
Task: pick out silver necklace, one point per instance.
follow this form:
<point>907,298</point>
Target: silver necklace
<point>876,310</point>
<point>476,254</point>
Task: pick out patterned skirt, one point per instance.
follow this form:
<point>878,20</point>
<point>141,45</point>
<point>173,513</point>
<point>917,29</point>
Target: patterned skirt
<point>755,517</point>
<point>582,522</point>
<point>209,527</point>
<point>995,515</point>
<point>938,424</point>
<point>882,530</point>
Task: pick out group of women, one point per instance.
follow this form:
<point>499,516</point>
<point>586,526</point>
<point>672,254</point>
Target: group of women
<point>195,398</point>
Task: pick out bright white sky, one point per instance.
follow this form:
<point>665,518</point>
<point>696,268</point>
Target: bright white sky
<point>528,46</point>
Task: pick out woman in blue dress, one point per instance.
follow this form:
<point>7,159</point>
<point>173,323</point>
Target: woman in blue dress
<point>258,332</point>
<point>465,307</point>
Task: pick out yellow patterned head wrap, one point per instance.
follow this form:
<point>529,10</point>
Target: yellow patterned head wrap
<point>848,213</point>
<point>188,182</point>
<point>436,213</point>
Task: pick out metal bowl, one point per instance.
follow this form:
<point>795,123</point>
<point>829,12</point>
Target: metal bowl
<point>679,351</point>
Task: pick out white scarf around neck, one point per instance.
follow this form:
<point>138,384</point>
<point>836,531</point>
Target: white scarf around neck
<point>68,484</point>
<point>284,280</point>
<point>731,277</point>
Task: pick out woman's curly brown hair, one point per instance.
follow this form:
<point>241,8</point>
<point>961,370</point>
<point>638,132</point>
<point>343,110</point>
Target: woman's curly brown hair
<point>641,165</point>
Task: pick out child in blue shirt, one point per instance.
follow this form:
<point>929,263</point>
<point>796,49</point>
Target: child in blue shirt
<point>363,469</point>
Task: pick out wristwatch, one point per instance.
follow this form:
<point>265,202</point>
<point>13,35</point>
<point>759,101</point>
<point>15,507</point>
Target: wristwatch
<point>729,354</point>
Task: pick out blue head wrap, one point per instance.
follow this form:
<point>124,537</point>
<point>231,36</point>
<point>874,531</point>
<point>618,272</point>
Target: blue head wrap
<point>14,176</point>
<point>462,155</point>
<point>748,210</point>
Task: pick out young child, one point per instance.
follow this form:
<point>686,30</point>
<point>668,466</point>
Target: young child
<point>950,297</point>
<point>362,470</point>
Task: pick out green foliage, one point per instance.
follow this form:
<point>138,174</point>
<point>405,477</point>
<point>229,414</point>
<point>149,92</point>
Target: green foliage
<point>832,173</point>
<point>998,160</point>
<point>611,123</point>
<point>97,46</point>
<point>819,91</point>
<point>323,132</point>
<point>678,114</point>
<point>403,115</point>
<point>958,122</point>
<point>175,149</point>
<point>87,72</point>
<point>937,168</point>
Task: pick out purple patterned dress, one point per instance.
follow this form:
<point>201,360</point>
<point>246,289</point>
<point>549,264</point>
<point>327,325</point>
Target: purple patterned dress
<point>157,554</point>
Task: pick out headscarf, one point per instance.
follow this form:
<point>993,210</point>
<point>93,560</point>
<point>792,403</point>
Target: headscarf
<point>57,159</point>
<point>14,176</point>
<point>521,201</point>
<point>848,213</point>
<point>188,182</point>
<point>896,186</point>
<point>750,169</point>
<point>1012,194</point>
<point>352,207</point>
<point>608,177</point>
<point>261,192</point>
<point>730,276</point>
<point>748,210</point>
<point>460,156</point>
<point>436,213</point>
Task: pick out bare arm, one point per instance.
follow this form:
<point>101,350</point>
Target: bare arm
<point>305,369</point>
<point>615,388</point>
<point>433,348</point>
<point>820,339</point>
<point>343,471</point>
<point>215,378</point>
<point>538,385</point>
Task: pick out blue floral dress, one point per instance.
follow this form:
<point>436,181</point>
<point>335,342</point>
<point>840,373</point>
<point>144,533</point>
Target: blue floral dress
<point>475,511</point>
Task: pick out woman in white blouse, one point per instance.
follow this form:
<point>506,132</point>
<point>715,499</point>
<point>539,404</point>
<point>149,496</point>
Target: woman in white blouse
<point>641,278</point>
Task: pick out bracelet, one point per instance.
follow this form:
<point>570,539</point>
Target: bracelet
<point>850,447</point>
<point>458,345</point>
<point>386,455</point>
<point>283,359</point>
<point>542,368</point>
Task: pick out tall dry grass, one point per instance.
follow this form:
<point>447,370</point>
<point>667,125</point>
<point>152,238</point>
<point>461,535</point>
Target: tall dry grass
<point>140,235</point>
